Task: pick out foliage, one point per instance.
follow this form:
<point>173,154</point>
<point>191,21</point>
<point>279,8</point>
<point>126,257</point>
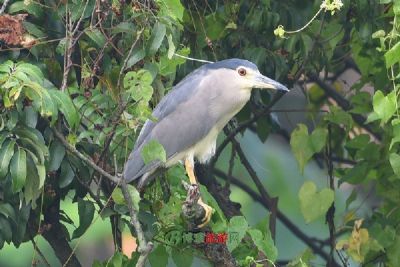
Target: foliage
<point>98,84</point>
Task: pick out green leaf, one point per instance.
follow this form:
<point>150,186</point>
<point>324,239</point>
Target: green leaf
<point>7,210</point>
<point>159,256</point>
<point>393,252</point>
<point>86,213</point>
<point>265,245</point>
<point>139,85</point>
<point>32,184</point>
<point>57,153</point>
<point>67,174</point>
<point>314,204</point>
<point>303,260</point>
<point>157,36</point>
<point>6,153</point>
<point>172,8</point>
<point>96,36</point>
<point>393,55</point>
<point>395,163</point>
<point>182,258</point>
<point>384,106</point>
<point>118,197</point>
<point>5,229</point>
<point>66,106</point>
<point>304,146</point>
<point>138,54</point>
<point>32,71</point>
<point>171,46</point>
<point>237,228</point>
<point>18,169</point>
<point>153,151</point>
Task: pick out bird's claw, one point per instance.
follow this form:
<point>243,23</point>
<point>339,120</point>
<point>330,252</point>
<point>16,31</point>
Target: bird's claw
<point>208,211</point>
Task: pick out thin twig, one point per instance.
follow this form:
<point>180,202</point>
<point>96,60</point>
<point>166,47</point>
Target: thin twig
<point>3,7</point>
<point>193,59</point>
<point>85,159</point>
<point>330,215</point>
<point>144,246</point>
<point>127,57</point>
<point>35,246</point>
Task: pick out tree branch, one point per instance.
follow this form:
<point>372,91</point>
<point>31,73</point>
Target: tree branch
<point>281,217</point>
<point>144,247</point>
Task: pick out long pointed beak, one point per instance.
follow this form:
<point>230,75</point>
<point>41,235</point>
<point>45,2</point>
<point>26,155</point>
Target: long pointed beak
<point>264,82</point>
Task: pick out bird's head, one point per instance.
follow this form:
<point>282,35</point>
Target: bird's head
<point>246,74</point>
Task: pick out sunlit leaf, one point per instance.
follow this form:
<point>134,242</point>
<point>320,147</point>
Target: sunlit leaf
<point>153,151</point>
<point>314,204</point>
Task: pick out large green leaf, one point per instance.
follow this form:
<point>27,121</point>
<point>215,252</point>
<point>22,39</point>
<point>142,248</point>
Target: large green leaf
<point>237,228</point>
<point>6,153</point>
<point>157,36</point>
<point>392,56</point>
<point>67,174</point>
<point>395,163</point>
<point>182,258</point>
<point>118,197</point>
<point>86,213</point>
<point>159,256</point>
<point>264,244</point>
<point>66,106</point>
<point>153,151</point>
<point>57,153</point>
<point>314,204</point>
<point>18,169</point>
<point>384,106</point>
<point>304,146</point>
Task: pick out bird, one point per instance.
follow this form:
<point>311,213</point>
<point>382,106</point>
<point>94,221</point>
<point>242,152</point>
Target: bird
<point>192,114</point>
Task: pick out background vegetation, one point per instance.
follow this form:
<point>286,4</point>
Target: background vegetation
<point>79,78</point>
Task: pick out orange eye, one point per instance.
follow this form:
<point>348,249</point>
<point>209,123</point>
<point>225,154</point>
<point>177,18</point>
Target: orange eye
<point>242,71</point>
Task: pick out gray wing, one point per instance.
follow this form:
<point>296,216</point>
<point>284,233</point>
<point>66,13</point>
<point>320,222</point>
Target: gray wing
<point>175,129</point>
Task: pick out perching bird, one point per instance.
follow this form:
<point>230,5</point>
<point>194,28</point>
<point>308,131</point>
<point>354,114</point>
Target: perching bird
<point>192,114</point>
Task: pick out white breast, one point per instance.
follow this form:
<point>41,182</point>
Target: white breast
<point>205,148</point>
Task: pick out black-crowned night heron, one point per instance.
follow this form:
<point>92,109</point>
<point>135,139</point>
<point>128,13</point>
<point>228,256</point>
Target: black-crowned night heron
<point>192,114</point>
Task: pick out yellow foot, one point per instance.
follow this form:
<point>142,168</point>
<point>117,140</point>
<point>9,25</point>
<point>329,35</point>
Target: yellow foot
<point>208,213</point>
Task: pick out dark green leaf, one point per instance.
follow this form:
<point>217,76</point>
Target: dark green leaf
<point>66,106</point>
<point>157,36</point>
<point>395,163</point>
<point>86,213</point>
<point>182,258</point>
<point>6,153</point>
<point>57,153</point>
<point>8,211</point>
<point>67,174</point>
<point>159,256</point>
<point>18,169</point>
<point>5,229</point>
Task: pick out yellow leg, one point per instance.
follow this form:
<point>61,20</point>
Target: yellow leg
<point>208,210</point>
